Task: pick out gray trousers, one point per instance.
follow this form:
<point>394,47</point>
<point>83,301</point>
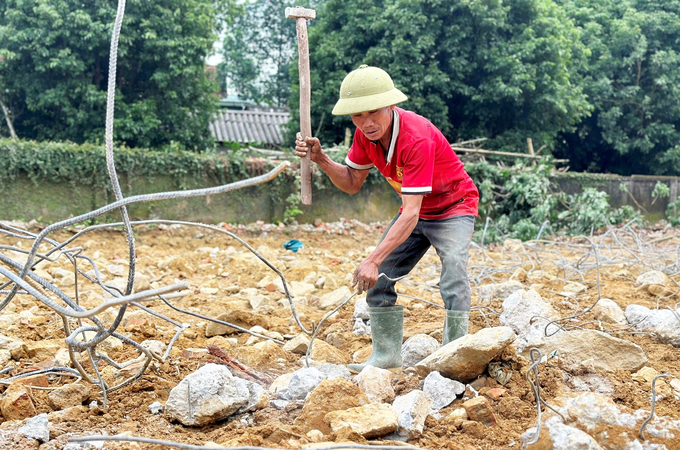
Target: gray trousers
<point>451,239</point>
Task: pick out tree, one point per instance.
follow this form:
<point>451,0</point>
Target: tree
<point>56,67</point>
<point>258,48</point>
<point>632,79</point>
<point>503,70</point>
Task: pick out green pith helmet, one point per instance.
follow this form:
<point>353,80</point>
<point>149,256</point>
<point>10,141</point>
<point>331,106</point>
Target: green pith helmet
<point>365,89</point>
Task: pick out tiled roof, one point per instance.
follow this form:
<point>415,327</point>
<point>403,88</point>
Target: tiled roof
<point>249,126</point>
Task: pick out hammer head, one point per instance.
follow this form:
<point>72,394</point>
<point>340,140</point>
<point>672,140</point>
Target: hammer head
<point>300,13</point>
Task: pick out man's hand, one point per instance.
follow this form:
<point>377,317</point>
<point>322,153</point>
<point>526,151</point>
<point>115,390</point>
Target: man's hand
<point>302,146</point>
<point>366,276</point>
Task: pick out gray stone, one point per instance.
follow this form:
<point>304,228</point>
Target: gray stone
<point>156,408</point>
<point>562,437</point>
<point>361,328</point>
<point>303,382</point>
<point>441,390</point>
<point>206,396</point>
<point>662,322</point>
<point>416,348</point>
<point>607,310</point>
<point>257,400</point>
<point>279,404</point>
<point>37,428</point>
<point>412,410</point>
<point>467,357</point>
<point>489,292</point>
<point>298,344</point>
<point>361,309</point>
<point>334,371</point>
<point>280,386</point>
<point>68,395</point>
<point>528,314</point>
<point>582,351</point>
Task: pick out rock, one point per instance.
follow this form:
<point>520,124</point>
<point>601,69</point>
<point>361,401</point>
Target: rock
<point>298,344</point>
<point>456,417</point>
<point>324,352</point>
<point>607,310</point>
<point>260,303</point>
<point>361,328</point>
<point>574,288</point>
<point>662,322</point>
<point>243,319</point>
<point>652,277</point>
<point>560,437</point>
<point>280,386</point>
<point>334,299</point>
<point>329,395</point>
<point>264,332</point>
<point>37,428</point>
<point>208,395</point>
<point>412,410</point>
<point>591,382</point>
<point>489,292</point>
<point>16,403</point>
<point>310,278</point>
<point>582,351</point>
<point>257,400</point>
<point>416,348</point>
<point>141,283</point>
<point>156,408</point>
<point>295,288</point>
<point>262,355</point>
<point>361,310</point>
<point>376,384</point>
<point>334,371</point>
<point>513,245</point>
<point>590,410</point>
<point>303,382</point>
<point>441,390</point>
<point>68,395</point>
<point>466,358</point>
<point>45,349</point>
<point>479,409</point>
<point>370,421</point>
<point>320,283</point>
<point>527,314</point>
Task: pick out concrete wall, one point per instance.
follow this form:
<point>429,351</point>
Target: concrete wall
<point>51,202</point>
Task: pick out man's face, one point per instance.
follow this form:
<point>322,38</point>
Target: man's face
<point>374,124</point>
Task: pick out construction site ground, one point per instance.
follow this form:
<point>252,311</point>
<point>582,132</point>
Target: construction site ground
<point>168,254</point>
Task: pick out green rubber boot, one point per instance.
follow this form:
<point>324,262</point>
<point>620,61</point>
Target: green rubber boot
<point>455,325</point>
<point>387,331</point>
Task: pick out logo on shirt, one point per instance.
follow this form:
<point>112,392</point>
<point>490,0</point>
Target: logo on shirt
<point>400,173</point>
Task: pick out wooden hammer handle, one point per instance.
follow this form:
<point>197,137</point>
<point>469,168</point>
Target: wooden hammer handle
<point>305,107</point>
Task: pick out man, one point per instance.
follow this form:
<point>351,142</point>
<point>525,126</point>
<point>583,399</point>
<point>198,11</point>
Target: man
<point>439,205</point>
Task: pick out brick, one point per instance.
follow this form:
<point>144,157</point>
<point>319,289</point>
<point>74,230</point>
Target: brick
<point>479,409</point>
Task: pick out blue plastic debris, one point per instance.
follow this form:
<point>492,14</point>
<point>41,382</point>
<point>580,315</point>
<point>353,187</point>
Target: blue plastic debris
<point>293,245</point>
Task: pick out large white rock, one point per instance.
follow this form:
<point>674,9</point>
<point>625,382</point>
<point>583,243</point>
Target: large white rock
<point>466,358</point>
<point>528,314</point>
<point>582,351</point>
<point>303,382</point>
<point>652,277</point>
<point>562,437</point>
<point>416,348</point>
<point>441,390</point>
<point>372,420</point>
<point>361,309</point>
<point>663,322</point>
<point>208,395</point>
<point>412,410</point>
<point>37,428</point>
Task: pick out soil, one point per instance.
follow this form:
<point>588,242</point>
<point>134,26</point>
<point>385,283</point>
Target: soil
<point>339,252</point>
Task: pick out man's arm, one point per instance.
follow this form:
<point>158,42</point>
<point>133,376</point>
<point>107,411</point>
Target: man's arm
<point>366,275</point>
<point>344,178</point>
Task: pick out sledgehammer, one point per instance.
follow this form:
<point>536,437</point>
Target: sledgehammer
<point>301,15</point>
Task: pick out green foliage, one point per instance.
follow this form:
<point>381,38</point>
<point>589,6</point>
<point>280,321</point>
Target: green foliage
<point>258,49</point>
<point>503,70</point>
<point>55,70</point>
<point>519,200</point>
<point>661,190</point>
<point>673,212</point>
<point>632,79</point>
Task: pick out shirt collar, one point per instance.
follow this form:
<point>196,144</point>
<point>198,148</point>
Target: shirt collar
<point>395,134</point>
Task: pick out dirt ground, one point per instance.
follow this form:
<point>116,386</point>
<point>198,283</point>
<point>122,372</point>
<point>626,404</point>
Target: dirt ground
<point>167,255</point>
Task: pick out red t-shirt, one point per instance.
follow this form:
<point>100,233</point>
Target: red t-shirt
<point>419,161</point>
